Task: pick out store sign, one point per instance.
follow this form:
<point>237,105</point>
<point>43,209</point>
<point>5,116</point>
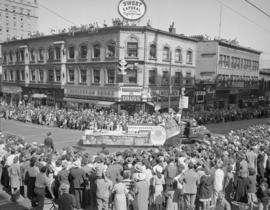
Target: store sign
<point>132,9</point>
<point>131,98</point>
<point>11,89</point>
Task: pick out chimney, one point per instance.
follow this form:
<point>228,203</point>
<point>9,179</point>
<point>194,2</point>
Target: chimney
<point>172,29</point>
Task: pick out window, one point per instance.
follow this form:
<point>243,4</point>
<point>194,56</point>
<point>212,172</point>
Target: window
<point>132,49</point>
<point>166,54</point>
<point>132,75</point>
<point>57,75</point>
<point>189,57</point>
<point>71,52</point>
<point>96,51</point>
<point>11,75</point>
<point>111,76</point>
<point>18,76</point>
<point>96,76</point>
<point>50,76</point>
<point>83,52</point>
<point>178,55</point>
<point>165,78</point>
<point>4,57</point>
<point>32,55</point>
<point>41,75</point>
<point>5,75</point>
<point>50,54</point>
<point>33,75</point>
<point>152,76</point>
<point>83,75</point>
<point>22,54</point>
<point>110,50</point>
<point>22,75</point>
<point>10,56</point>
<point>71,75</point>
<point>178,78</point>
<point>57,53</point>
<point>41,54</point>
<point>153,51</point>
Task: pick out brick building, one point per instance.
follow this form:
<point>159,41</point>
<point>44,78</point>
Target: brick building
<point>81,68</point>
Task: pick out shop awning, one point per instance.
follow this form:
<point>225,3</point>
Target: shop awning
<point>78,100</point>
<point>39,95</point>
<point>104,104</point>
<point>150,103</point>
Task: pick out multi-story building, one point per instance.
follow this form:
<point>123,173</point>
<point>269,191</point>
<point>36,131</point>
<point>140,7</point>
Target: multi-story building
<point>232,69</point>
<point>81,68</point>
<point>18,18</point>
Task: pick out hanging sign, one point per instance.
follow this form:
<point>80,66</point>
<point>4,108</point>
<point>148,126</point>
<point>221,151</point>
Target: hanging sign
<point>132,9</point>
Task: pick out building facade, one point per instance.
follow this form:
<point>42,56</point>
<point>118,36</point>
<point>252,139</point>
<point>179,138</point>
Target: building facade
<point>18,18</point>
<point>228,74</point>
<point>81,68</point>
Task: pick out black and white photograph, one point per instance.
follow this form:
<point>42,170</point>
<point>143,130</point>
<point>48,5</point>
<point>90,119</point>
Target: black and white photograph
<point>134,105</point>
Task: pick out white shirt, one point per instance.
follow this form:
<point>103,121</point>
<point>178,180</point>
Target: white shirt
<point>218,180</point>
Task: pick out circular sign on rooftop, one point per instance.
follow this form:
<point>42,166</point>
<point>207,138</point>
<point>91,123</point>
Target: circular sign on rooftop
<point>132,9</point>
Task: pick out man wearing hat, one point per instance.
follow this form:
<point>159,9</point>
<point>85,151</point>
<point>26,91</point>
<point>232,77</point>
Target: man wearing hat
<point>66,200</point>
<point>48,141</point>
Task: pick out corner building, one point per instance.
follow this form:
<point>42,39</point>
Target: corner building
<point>81,68</point>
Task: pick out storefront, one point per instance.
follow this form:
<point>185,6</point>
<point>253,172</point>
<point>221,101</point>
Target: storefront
<point>12,94</point>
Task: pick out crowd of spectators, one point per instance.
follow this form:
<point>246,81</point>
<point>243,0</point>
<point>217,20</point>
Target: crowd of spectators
<point>232,169</point>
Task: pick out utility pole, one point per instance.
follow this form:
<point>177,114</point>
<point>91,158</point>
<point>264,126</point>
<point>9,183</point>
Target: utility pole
<point>170,82</point>
<point>220,21</point>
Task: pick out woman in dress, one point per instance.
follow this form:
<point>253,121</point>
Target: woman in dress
<point>15,178</point>
<point>158,182</point>
<point>120,191</point>
<point>141,191</point>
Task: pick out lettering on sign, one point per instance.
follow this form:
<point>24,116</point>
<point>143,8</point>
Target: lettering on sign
<point>131,98</point>
<point>132,9</point>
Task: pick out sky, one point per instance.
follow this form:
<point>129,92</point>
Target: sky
<point>239,20</point>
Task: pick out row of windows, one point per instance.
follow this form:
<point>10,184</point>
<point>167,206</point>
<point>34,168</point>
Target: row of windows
<point>54,75</point>
<point>226,61</point>
<point>55,53</point>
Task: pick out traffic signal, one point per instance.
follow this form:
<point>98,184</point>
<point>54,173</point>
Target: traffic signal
<point>122,67</point>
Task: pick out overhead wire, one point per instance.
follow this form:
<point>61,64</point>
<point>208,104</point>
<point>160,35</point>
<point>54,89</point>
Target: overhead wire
<point>258,8</point>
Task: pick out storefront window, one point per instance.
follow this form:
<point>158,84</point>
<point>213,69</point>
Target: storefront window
<point>132,49</point>
<point>71,52</point>
<point>96,76</point>
<point>83,75</point>
<point>152,77</point>
<point>71,75</point>
<point>57,75</point>
<point>111,76</point>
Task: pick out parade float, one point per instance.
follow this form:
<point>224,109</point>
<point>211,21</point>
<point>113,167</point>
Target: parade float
<point>142,135</point>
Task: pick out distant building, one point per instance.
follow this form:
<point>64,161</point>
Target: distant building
<point>264,74</point>
<point>81,68</point>
<point>233,69</point>
<point>18,18</point>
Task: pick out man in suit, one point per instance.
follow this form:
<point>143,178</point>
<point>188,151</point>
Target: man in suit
<point>48,141</point>
<point>77,179</point>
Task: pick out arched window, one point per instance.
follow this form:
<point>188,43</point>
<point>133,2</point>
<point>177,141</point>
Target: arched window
<point>132,47</point>
<point>178,55</point>
<point>96,51</point>
<point>153,51</point>
<point>71,52</point>
<point>83,51</point>
<point>110,50</point>
<point>166,54</point>
<point>189,56</point>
